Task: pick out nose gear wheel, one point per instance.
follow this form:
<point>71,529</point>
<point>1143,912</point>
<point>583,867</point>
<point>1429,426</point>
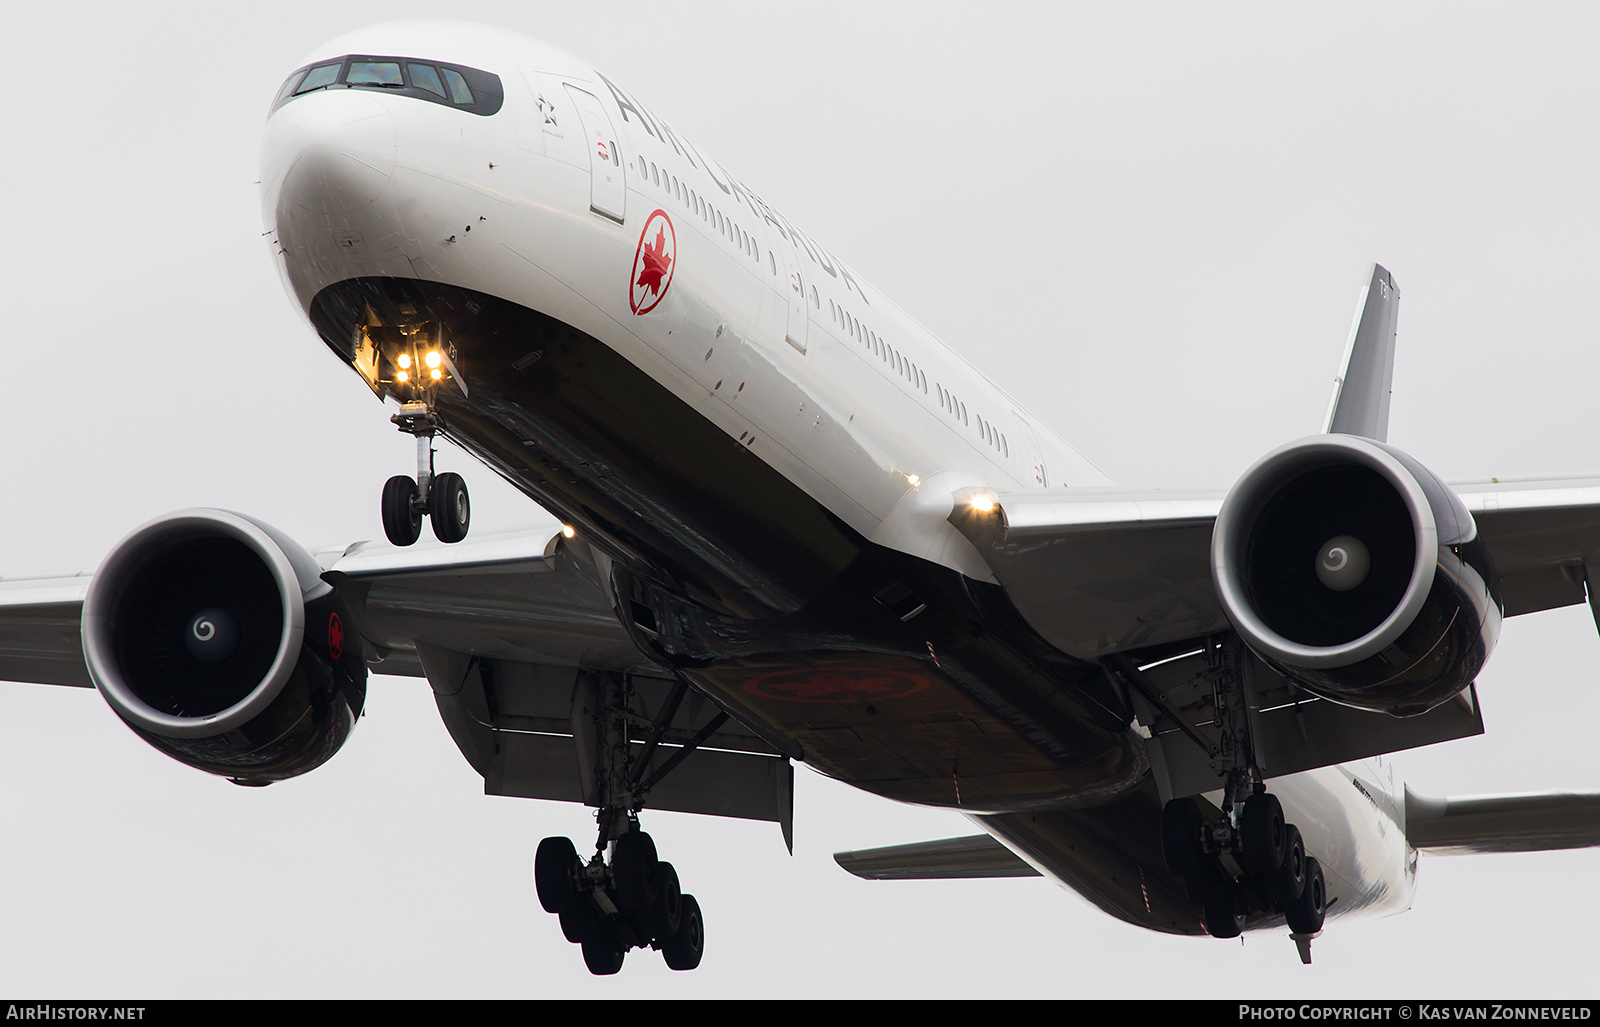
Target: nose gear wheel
<point>442,497</point>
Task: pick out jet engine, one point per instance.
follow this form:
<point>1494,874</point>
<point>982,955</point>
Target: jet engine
<point>215,638</point>
<point>1350,569</point>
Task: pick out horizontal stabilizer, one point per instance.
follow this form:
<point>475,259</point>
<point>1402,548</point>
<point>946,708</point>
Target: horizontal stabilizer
<point>973,856</point>
<point>1503,823</point>
<point>1360,404</point>
<point>39,630</point>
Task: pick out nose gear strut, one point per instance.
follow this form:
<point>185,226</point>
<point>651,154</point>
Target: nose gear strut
<point>443,497</point>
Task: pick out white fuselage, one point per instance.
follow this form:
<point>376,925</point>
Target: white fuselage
<point>551,202</point>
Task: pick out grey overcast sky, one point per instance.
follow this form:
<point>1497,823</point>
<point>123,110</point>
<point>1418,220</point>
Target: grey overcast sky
<point>1149,222</point>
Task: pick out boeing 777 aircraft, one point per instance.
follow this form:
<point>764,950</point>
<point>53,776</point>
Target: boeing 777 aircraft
<point>795,527</point>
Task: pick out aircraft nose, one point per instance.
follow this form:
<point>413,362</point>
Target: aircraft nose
<point>336,149</point>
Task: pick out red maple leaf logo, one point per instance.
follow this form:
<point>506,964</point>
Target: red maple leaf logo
<point>656,263</point>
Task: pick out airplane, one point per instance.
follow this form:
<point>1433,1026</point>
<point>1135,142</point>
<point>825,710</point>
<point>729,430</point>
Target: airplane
<point>1008,507</point>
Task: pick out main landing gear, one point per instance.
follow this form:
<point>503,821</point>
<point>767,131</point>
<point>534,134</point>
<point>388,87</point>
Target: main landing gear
<point>634,902</point>
<point>634,899</point>
<point>1249,860</point>
<point>443,497</point>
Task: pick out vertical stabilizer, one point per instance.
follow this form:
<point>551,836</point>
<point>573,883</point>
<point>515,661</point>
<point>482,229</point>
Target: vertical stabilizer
<point>1360,403</point>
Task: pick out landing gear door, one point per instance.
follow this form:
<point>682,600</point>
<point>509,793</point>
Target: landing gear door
<point>607,189</point>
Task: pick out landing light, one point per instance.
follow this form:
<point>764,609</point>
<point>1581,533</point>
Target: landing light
<point>405,360</point>
<point>912,480</point>
<point>436,373</point>
<point>401,376</point>
<point>432,359</point>
<point>983,504</point>
<point>567,531</point>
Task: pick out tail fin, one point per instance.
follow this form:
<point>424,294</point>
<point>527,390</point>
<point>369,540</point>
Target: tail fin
<point>1360,403</point>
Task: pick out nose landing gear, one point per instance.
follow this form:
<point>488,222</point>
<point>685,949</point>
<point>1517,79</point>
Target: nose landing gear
<point>443,497</point>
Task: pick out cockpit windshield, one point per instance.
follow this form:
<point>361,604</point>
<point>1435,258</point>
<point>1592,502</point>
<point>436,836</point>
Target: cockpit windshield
<point>453,85</point>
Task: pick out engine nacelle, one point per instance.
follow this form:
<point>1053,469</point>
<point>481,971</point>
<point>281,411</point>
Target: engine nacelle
<point>215,638</point>
<point>1353,571</point>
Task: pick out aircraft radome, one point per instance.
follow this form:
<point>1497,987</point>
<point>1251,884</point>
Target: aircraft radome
<point>1187,227</point>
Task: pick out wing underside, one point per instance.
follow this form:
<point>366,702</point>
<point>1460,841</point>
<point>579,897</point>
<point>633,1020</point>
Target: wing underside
<point>519,643</point>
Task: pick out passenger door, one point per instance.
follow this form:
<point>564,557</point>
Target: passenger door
<point>607,187</point>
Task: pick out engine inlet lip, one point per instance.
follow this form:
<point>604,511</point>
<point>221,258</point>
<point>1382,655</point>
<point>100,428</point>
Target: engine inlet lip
<point>1252,492</point>
<point>106,587</point>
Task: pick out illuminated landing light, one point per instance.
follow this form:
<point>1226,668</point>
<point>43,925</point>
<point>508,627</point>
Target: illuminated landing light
<point>983,504</point>
<point>912,480</point>
<point>432,359</point>
<point>404,360</point>
<point>401,376</point>
<point>568,531</point>
<point>436,374</point>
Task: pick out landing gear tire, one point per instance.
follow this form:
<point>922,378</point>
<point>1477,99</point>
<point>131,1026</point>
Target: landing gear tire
<point>637,870</point>
<point>1264,831</point>
<point>448,507</point>
<point>1180,836</point>
<point>402,523</point>
<point>579,925</point>
<point>666,914</point>
<point>1223,919</point>
<point>1208,884</point>
<point>603,956</point>
<point>1289,882</point>
<point>552,874</point>
<point>683,950</point>
<point>1306,914</point>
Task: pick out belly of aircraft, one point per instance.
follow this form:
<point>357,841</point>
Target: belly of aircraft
<point>877,668</point>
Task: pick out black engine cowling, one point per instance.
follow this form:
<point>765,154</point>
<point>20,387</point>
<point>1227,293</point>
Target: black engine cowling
<point>1352,570</point>
<point>215,638</point>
